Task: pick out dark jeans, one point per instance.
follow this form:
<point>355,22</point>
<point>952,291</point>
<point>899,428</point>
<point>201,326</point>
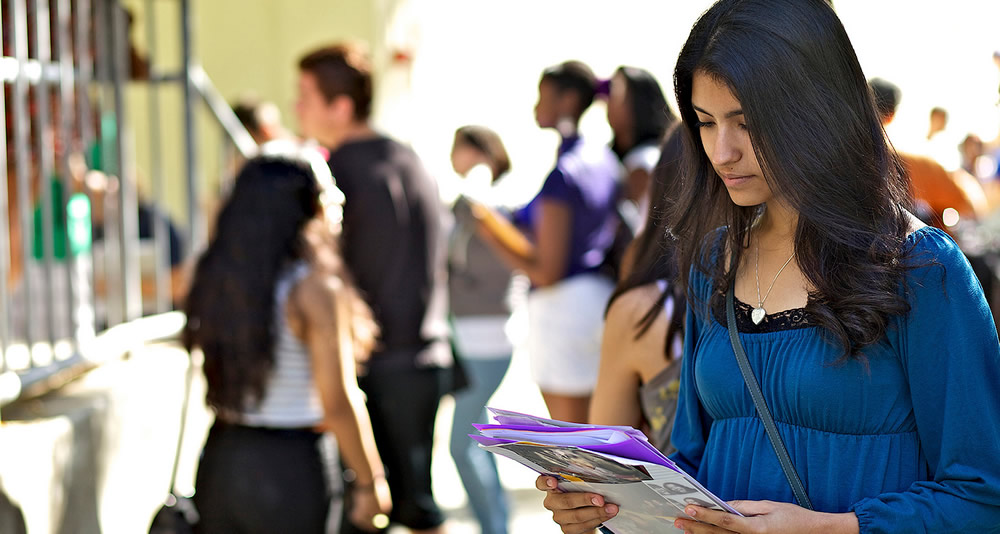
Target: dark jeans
<point>402,406</point>
<point>261,480</point>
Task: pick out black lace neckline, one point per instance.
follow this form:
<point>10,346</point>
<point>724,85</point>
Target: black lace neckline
<point>792,319</point>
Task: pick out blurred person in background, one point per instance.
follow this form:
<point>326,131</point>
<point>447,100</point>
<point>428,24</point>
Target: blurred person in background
<point>638,115</point>
<point>934,190</point>
<point>971,149</point>
<point>101,187</point>
<point>941,143</point>
<point>261,118</point>
<point>639,380</point>
<point>938,122</point>
<point>282,328</point>
<point>940,198</point>
<point>478,287</point>
<point>568,232</point>
<point>394,243</point>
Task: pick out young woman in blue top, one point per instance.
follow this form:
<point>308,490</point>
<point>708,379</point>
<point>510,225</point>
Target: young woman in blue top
<point>874,346</point>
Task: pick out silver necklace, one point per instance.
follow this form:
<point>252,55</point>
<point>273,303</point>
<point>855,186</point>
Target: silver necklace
<point>758,313</point>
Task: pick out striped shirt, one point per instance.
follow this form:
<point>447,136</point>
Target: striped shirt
<point>290,398</point>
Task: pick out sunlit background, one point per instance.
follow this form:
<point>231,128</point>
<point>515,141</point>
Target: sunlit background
<point>444,63</point>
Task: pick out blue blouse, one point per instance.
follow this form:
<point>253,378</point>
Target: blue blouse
<point>909,444</point>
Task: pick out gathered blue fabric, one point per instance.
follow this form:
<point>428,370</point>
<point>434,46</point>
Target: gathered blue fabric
<point>910,443</point>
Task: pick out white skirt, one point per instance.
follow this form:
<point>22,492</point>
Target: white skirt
<point>566,321</point>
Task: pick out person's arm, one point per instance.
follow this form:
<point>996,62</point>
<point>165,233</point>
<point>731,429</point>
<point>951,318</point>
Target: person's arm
<point>500,229</point>
<point>326,320</point>
<point>949,350</point>
<point>545,262</point>
<point>616,396</point>
<point>692,423</point>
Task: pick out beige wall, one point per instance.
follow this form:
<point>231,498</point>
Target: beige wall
<point>245,46</point>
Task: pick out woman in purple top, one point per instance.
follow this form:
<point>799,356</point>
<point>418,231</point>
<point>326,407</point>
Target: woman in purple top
<point>569,228</point>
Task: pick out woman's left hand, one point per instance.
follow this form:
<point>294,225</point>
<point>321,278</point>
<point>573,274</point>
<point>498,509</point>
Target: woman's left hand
<point>765,517</point>
<point>371,505</point>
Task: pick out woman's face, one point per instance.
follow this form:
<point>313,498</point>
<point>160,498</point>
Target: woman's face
<point>619,114</point>
<point>547,112</point>
<point>724,135</point>
<point>463,157</point>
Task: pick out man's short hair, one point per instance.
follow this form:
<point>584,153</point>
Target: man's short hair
<point>887,95</point>
<point>342,69</point>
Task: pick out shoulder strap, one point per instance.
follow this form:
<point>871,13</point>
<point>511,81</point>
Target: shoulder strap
<point>765,414</point>
<point>188,378</point>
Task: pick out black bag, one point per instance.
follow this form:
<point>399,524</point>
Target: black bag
<point>459,376</point>
<point>177,516</point>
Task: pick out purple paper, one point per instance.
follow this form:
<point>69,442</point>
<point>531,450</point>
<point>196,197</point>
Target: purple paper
<point>631,432</point>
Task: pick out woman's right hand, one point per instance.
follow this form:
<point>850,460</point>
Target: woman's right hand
<point>370,502</point>
<point>575,513</point>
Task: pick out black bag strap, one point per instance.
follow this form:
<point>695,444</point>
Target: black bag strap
<point>188,379</point>
<point>758,400</point>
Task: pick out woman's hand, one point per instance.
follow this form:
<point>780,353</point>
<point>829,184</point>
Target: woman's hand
<point>765,517</point>
<point>370,505</point>
<point>575,513</point>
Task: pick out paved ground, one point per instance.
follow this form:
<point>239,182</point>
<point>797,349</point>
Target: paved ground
<point>517,392</point>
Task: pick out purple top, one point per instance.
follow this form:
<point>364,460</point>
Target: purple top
<point>586,178</point>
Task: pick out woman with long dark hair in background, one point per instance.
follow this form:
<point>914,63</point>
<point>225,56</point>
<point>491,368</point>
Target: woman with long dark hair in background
<point>638,115</point>
<point>866,331</point>
<point>274,312</point>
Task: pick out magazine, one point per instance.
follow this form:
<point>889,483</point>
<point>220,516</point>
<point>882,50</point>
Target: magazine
<point>617,462</point>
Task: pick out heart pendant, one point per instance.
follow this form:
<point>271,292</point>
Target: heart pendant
<point>757,315</point>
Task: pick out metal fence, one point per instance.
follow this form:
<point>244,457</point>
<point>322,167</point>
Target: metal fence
<point>72,260</point>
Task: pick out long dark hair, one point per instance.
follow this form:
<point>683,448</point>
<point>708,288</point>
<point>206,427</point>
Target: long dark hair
<point>815,131</point>
<point>648,107</point>
<point>231,305</point>
<point>654,254</point>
